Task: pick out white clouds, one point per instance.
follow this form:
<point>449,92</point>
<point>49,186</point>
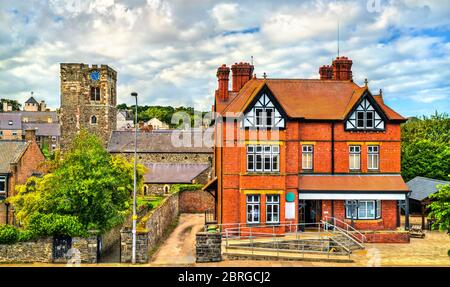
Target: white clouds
<point>168,51</point>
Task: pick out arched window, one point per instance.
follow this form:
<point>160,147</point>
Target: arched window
<point>94,120</point>
<point>166,188</point>
<point>145,190</point>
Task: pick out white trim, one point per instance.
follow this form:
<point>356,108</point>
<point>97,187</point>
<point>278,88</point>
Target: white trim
<point>352,196</point>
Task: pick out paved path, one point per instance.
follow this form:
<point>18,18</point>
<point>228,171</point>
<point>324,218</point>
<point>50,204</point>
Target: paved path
<point>179,248</point>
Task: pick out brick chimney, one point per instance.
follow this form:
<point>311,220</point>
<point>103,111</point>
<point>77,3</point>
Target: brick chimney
<point>326,72</point>
<point>30,135</point>
<point>241,74</point>
<point>223,75</point>
<point>342,69</point>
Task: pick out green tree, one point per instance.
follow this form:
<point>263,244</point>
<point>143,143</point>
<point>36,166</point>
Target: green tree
<point>86,183</point>
<point>426,147</point>
<point>440,208</point>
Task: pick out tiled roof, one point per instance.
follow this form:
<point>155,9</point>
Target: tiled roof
<point>160,141</point>
<point>10,152</point>
<point>369,183</point>
<point>304,98</point>
<point>44,129</point>
<point>422,187</point>
<point>16,121</point>
<point>173,172</point>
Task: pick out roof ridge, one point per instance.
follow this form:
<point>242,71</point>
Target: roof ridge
<point>431,179</point>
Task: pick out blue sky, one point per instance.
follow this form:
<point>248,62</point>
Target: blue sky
<point>168,51</point>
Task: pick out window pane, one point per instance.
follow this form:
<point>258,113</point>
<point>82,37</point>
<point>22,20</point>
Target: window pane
<point>275,162</point>
<point>269,117</point>
<point>258,162</point>
<point>275,149</point>
<point>360,119</point>
<point>369,119</point>
<point>378,208</point>
<point>362,210</point>
<point>370,209</point>
<point>250,162</point>
<point>267,162</point>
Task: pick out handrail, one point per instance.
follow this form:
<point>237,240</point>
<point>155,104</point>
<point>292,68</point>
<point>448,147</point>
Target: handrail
<point>363,237</point>
<point>346,234</point>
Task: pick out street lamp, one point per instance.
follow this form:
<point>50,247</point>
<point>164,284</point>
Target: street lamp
<point>133,255</point>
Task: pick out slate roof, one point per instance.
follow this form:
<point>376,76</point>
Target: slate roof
<point>5,118</point>
<point>10,152</point>
<point>44,129</point>
<point>173,172</point>
<point>160,141</point>
<point>128,115</point>
<point>305,98</point>
<point>422,187</point>
<point>369,183</point>
<point>31,100</point>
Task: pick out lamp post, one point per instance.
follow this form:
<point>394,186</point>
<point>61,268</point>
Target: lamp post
<point>133,255</point>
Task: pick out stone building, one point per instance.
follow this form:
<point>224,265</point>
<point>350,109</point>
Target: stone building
<point>124,120</point>
<point>157,124</point>
<point>19,159</point>
<point>171,156</point>
<point>31,105</point>
<point>88,101</point>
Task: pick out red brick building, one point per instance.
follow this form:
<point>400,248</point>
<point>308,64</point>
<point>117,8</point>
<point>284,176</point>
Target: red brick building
<point>302,150</point>
<point>19,159</point>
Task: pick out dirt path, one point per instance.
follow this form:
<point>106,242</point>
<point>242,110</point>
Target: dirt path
<point>179,248</point>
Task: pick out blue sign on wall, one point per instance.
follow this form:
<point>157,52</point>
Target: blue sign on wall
<point>95,75</point>
<point>290,197</point>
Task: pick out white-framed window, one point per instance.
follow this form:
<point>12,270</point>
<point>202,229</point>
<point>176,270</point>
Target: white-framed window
<point>365,117</point>
<point>2,185</point>
<point>263,158</point>
<point>373,157</point>
<point>272,208</point>
<point>253,208</point>
<point>307,156</point>
<point>354,157</point>
<point>264,114</point>
<point>364,209</point>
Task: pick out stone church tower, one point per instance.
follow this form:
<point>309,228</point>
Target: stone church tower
<point>88,100</point>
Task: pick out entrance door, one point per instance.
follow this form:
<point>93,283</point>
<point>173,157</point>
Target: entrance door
<point>310,211</point>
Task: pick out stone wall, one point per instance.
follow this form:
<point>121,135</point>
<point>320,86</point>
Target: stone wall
<point>147,157</point>
<point>195,201</point>
<point>208,247</point>
<point>151,229</point>
<point>111,238</point>
<point>27,252</point>
<point>87,248</point>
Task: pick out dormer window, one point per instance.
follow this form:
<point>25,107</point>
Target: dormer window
<point>264,114</point>
<point>365,117</point>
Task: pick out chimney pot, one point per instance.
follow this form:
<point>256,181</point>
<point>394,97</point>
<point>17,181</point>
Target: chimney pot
<point>242,73</point>
<point>223,74</point>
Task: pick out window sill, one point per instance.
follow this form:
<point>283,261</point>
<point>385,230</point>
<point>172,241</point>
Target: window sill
<point>365,220</point>
<point>262,173</point>
<point>307,170</point>
<point>373,171</point>
<point>354,171</point>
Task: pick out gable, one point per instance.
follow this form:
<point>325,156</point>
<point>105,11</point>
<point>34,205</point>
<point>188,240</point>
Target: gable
<point>366,115</point>
<point>264,112</point>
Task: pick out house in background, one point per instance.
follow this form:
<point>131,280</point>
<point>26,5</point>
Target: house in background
<point>306,150</point>
<point>31,105</point>
<point>421,189</point>
<point>160,177</point>
<point>157,124</point>
<point>125,120</point>
<point>10,126</point>
<point>19,159</point>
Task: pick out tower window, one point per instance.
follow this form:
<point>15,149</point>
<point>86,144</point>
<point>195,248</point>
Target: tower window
<point>93,120</point>
<point>95,93</point>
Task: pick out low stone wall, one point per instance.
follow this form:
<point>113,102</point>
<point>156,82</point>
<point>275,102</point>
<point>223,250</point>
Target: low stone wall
<point>387,236</point>
<point>196,201</point>
<point>208,247</point>
<point>151,230</point>
<point>41,250</point>
<point>27,252</point>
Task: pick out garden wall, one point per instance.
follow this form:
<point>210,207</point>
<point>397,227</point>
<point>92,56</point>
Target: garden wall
<point>152,228</point>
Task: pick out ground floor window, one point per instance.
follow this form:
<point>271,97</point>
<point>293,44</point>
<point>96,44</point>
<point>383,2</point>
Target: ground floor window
<point>253,208</point>
<point>363,209</point>
<point>272,208</point>
<point>2,185</point>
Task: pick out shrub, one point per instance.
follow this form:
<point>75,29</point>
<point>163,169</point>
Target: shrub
<point>55,224</point>
<point>8,234</point>
<point>185,187</point>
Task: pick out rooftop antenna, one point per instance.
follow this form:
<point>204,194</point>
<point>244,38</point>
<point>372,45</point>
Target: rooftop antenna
<point>338,39</point>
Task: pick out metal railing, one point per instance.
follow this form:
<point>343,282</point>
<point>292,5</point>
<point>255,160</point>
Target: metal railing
<point>312,238</point>
<point>350,230</point>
